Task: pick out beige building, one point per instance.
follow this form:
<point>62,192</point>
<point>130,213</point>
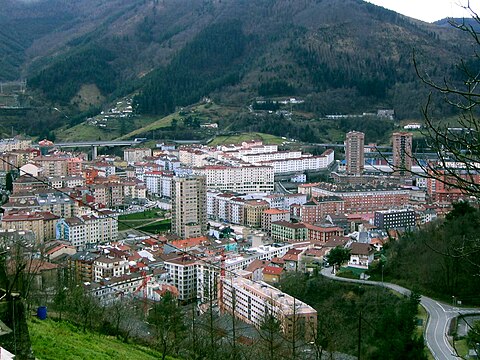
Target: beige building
<point>109,267</point>
<point>189,206</point>
<point>271,215</point>
<point>254,210</point>
<point>41,223</point>
<point>52,165</point>
<point>402,152</point>
<point>255,300</point>
<point>132,155</point>
<point>354,152</point>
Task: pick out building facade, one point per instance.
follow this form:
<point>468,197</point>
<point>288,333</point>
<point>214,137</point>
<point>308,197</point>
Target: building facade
<point>402,152</point>
<point>189,206</point>
<point>354,152</point>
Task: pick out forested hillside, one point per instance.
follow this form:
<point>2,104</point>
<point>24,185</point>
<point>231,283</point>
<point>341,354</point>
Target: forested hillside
<point>441,258</point>
<point>341,56</point>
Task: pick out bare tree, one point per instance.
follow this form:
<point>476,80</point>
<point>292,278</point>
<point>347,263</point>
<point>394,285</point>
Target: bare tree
<point>457,146</point>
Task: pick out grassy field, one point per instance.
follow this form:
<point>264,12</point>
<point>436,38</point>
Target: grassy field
<point>157,227</point>
<point>237,139</point>
<point>62,340</point>
<point>147,214</point>
<point>204,112</point>
<point>139,219</point>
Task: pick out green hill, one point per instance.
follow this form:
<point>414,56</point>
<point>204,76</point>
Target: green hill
<point>62,340</point>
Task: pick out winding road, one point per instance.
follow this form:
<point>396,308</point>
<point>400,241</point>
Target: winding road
<point>440,315</point>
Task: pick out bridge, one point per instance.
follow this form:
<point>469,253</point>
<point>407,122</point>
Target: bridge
<point>96,144</point>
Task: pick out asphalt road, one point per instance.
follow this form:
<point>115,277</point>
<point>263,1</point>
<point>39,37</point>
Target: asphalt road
<point>440,315</point>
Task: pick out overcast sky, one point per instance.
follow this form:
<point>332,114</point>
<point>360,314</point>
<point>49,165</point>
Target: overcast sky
<point>428,10</point>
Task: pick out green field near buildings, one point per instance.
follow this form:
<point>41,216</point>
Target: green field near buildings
<point>62,340</point>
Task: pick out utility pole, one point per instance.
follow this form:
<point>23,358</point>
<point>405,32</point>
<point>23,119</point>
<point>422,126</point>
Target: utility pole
<point>359,349</point>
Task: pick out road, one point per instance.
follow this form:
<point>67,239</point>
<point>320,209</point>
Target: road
<point>439,317</point>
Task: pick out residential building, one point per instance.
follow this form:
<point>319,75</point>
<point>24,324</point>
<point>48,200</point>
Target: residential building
<point>183,273</point>
<point>287,231</point>
<point>272,274</point>
<point>323,233</point>
<point>318,208</point>
<point>189,206</point>
<point>132,155</point>
<point>241,179</point>
<point>402,152</point>
<point>271,215</point>
<point>254,300</point>
<point>80,266</point>
<point>304,163</point>
<point>254,210</point>
<point>354,152</point>
<point>365,199</point>
<point>361,255</point>
<point>395,219</point>
<point>105,267</point>
<point>159,183</point>
<point>41,223</point>
<point>53,165</point>
<point>88,230</point>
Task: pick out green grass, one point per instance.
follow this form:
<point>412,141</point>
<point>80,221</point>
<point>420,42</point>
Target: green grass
<point>422,314</point>
<point>204,112</point>
<point>62,340</point>
<point>157,227</point>
<point>237,139</point>
<point>462,348</point>
<point>137,220</point>
<point>147,214</point>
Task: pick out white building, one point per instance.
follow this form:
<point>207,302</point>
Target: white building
<point>243,179</point>
<point>132,155</point>
<point>253,301</point>
<point>304,163</point>
<point>105,267</point>
<point>88,230</point>
<point>159,183</point>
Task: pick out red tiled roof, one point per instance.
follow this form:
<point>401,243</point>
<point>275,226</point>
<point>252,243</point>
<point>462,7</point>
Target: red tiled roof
<point>272,270</point>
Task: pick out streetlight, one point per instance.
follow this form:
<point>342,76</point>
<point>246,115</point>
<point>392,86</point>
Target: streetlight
<point>382,273</point>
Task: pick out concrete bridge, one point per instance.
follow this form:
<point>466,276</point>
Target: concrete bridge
<point>95,144</point>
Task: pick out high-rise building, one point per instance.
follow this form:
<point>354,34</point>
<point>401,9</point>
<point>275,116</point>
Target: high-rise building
<point>189,206</point>
<point>354,152</point>
<point>402,152</point>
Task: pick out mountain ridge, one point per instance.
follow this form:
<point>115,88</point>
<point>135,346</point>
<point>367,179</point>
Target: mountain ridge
<point>340,56</point>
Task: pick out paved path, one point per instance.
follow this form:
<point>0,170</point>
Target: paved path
<point>440,315</point>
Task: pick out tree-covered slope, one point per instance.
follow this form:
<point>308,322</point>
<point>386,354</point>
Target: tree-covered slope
<point>340,56</point>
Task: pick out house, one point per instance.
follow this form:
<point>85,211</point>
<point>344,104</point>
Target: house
<point>361,255</point>
<point>256,268</point>
<point>272,274</point>
<point>292,260</point>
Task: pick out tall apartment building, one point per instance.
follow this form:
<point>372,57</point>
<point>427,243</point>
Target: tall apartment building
<point>402,152</point>
<point>189,206</point>
<point>354,152</point>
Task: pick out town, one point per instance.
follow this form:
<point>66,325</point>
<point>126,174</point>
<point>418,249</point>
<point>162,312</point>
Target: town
<point>239,217</point>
